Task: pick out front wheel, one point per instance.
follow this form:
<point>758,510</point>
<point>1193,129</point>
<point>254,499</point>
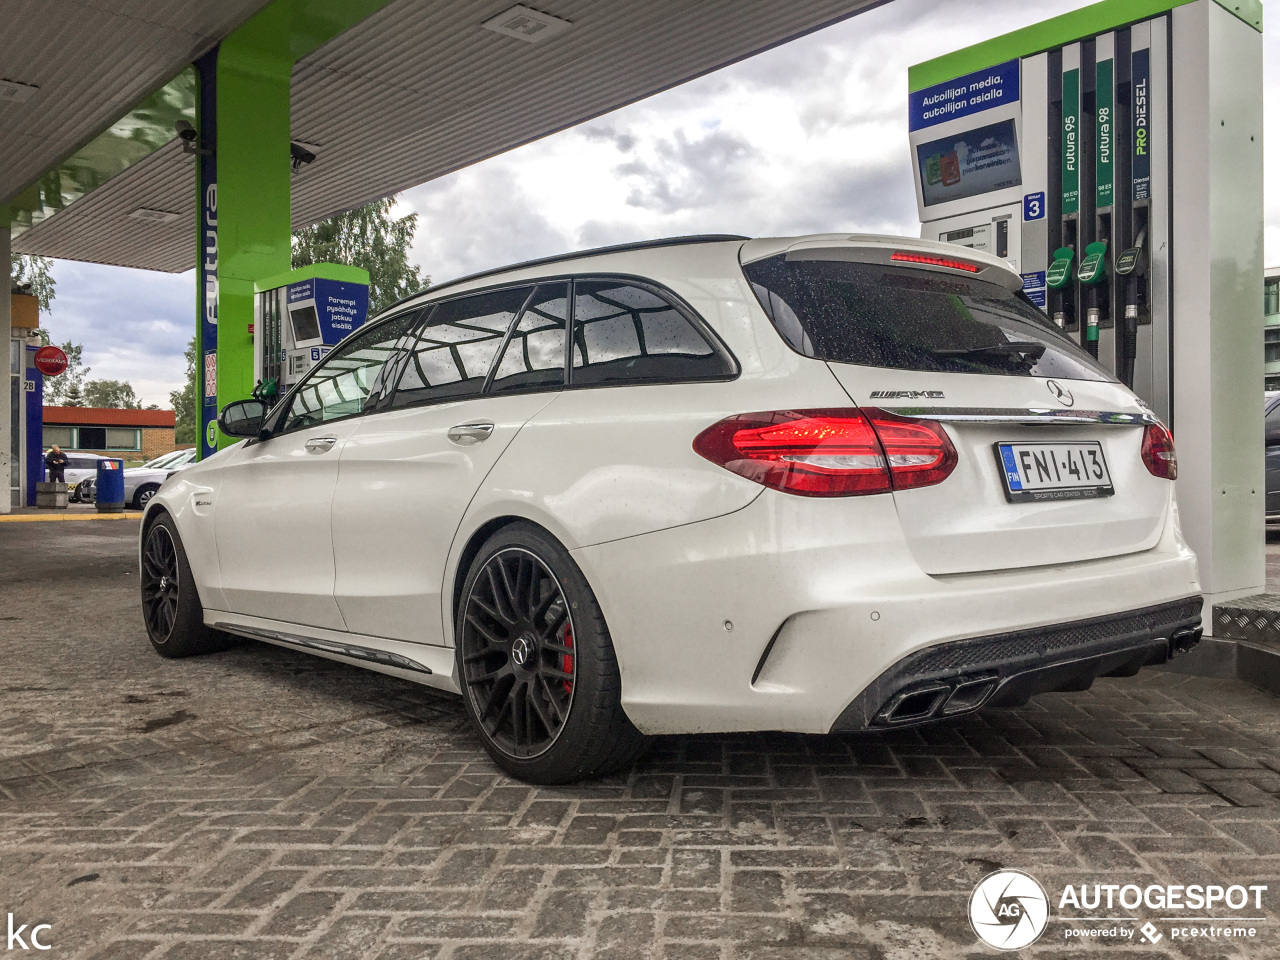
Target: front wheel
<point>144,495</point>
<point>171,608</point>
<point>536,664</point>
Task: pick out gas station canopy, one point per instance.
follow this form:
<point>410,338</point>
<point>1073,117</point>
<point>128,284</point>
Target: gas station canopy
<point>91,169</point>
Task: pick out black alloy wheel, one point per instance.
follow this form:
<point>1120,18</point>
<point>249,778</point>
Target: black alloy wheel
<point>536,663</point>
<point>517,653</point>
<point>171,608</point>
<point>160,583</point>
<point>143,496</point>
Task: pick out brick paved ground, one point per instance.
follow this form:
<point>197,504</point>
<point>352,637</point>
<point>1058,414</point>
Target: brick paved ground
<point>265,804</point>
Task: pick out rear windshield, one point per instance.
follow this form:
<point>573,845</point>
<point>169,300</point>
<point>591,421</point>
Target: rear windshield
<point>910,319</point>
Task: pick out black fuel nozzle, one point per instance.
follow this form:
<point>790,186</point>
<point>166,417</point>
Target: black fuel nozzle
<point>1132,262</point>
<point>1131,265</point>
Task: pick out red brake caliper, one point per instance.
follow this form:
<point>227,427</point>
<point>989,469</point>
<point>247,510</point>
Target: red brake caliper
<point>566,660</point>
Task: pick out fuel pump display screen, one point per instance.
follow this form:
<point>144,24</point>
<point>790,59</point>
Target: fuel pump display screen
<point>969,163</point>
<point>306,324</point>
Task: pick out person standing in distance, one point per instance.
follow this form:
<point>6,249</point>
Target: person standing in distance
<point>55,462</point>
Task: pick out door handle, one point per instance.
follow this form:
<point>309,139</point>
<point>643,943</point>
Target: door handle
<point>320,444</point>
<point>468,433</point>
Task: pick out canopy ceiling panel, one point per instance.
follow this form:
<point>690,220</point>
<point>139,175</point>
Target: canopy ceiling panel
<point>420,89</point>
<point>90,63</point>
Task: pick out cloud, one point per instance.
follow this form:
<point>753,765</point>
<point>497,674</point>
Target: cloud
<point>134,324</point>
<point>684,174</point>
<point>479,218</point>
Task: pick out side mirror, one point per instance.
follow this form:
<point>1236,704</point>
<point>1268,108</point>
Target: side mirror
<point>242,418</point>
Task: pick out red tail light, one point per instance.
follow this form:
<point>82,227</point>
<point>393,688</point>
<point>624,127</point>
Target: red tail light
<point>1157,452</point>
<point>934,260</point>
<point>830,453</point>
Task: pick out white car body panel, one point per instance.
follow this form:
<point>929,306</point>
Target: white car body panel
<point>390,563</point>
<point>273,525</point>
<point>840,576</point>
<point>697,569</point>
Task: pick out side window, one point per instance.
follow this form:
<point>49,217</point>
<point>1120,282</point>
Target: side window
<point>626,334</point>
<point>348,376</point>
<point>457,346</point>
<point>534,358</point>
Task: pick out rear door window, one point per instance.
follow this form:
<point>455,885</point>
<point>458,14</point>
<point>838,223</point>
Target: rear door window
<point>457,346</point>
<point>625,333</point>
<point>534,356</point>
<point>905,319</point>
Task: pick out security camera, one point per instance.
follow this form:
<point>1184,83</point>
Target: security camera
<point>299,155</point>
<point>188,135</point>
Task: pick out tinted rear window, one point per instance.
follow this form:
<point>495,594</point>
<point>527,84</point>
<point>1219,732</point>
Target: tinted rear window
<point>906,319</point>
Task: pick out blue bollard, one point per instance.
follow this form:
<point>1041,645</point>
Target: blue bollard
<point>109,486</point>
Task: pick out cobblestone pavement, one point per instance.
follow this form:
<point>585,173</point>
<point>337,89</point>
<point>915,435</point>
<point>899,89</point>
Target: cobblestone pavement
<point>264,804</point>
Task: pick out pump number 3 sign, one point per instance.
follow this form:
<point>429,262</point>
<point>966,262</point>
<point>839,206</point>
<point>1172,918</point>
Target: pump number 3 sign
<point>1033,206</point>
<point>1053,471</point>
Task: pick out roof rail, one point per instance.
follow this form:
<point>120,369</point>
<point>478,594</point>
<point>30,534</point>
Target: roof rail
<point>577,255</point>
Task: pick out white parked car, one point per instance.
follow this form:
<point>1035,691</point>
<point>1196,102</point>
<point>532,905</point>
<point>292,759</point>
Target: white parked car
<point>80,467</point>
<point>831,483</point>
<point>141,483</point>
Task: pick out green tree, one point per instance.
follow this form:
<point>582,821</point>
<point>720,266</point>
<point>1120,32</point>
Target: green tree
<point>25,270</point>
<point>186,409</point>
<point>368,237</point>
<point>111,393</point>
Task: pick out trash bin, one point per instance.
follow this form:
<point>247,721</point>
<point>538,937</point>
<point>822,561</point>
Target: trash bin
<point>110,486</point>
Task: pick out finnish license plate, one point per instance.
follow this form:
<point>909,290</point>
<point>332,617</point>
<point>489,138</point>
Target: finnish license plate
<point>1054,471</point>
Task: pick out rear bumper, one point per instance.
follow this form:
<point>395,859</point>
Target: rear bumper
<point>956,678</point>
<point>779,616</point>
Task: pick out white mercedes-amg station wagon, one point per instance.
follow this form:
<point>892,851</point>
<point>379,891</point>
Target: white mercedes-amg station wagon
<point>817,484</point>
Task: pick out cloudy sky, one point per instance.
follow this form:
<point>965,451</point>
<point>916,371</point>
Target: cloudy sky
<point>808,137</point>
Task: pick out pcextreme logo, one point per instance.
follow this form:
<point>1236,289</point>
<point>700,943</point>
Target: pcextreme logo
<point>1010,910</point>
<point>21,939</point>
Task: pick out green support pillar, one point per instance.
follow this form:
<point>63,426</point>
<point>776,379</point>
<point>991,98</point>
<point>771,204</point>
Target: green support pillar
<point>245,229</point>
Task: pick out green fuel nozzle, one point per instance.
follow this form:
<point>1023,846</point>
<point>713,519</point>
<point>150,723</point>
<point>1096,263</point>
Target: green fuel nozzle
<point>1093,268</point>
<point>1059,272</point>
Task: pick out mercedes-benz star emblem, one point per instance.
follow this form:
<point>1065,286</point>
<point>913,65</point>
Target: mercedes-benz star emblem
<point>1060,393</point>
<point>520,651</point>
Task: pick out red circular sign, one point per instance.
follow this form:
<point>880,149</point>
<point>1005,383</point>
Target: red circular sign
<point>50,361</point>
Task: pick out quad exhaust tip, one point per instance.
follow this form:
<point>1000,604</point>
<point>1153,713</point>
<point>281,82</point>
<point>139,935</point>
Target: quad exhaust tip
<point>943,698</point>
<point>1184,640</point>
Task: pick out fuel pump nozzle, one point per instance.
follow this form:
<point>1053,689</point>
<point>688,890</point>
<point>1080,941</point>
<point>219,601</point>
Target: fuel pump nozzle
<point>1057,278</point>
<point>1093,270</point>
<point>1132,266</point>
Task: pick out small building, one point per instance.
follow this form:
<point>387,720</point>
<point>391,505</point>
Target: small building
<point>1271,331</point>
<point>127,434</point>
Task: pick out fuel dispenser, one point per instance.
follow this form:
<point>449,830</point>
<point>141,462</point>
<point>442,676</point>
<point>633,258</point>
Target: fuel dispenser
<point>1113,156</point>
<point>299,317</point>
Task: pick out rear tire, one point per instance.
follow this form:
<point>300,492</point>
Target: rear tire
<point>171,608</point>
<point>538,673</point>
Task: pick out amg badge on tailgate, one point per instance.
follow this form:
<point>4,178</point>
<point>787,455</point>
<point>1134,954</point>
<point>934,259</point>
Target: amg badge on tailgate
<point>907,395</point>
